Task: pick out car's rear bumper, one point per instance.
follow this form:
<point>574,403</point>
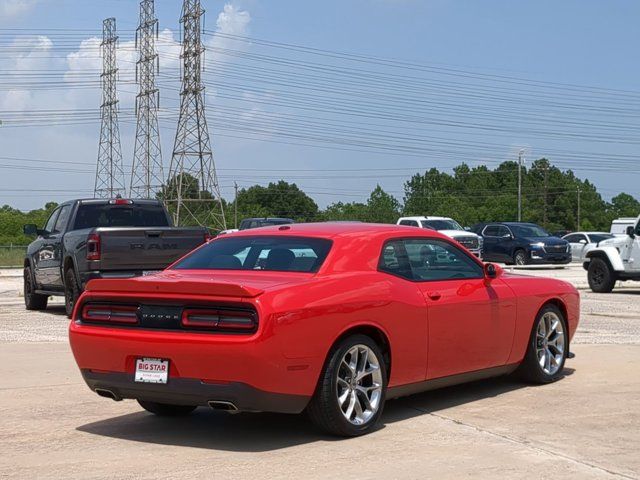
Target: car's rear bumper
<point>202,366</point>
<point>190,391</point>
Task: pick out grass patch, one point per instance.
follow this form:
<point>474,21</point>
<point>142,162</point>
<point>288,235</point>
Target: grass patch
<point>12,257</point>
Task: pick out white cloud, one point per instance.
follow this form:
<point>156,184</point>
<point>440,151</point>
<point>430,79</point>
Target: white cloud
<point>231,21</point>
<point>14,8</point>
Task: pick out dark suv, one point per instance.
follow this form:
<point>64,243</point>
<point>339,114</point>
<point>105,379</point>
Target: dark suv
<point>521,244</point>
<point>248,223</point>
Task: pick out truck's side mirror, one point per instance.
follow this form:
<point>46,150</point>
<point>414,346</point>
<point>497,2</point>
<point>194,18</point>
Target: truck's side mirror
<point>631,231</point>
<point>31,230</point>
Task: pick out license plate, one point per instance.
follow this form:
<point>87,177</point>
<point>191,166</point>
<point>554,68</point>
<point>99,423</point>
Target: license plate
<point>152,370</point>
<point>150,272</point>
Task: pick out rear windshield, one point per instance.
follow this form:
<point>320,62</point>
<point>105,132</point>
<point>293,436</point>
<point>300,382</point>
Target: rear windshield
<point>277,253</point>
<point>93,216</point>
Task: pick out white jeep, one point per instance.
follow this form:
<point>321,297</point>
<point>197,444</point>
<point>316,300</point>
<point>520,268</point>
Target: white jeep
<point>449,227</point>
<point>618,259</point>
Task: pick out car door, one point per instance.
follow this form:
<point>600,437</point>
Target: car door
<point>578,243</point>
<point>504,244</point>
<point>491,238</point>
<point>471,321</point>
<point>43,252</point>
<point>55,276</point>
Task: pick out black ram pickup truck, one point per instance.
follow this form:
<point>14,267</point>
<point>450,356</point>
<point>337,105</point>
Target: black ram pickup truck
<point>87,239</point>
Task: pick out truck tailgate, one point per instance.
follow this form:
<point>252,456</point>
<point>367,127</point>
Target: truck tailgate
<point>140,248</point>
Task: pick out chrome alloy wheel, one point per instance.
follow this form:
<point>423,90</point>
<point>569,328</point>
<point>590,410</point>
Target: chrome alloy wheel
<point>550,343</point>
<point>359,384</point>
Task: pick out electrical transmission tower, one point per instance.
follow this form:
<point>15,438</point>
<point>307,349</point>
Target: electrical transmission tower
<point>146,173</point>
<point>109,172</point>
<point>192,192</point>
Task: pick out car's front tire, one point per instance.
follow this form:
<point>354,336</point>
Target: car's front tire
<point>600,276</point>
<point>548,347</point>
<point>166,409</point>
<point>32,300</point>
<point>520,257</point>
<point>351,392</point>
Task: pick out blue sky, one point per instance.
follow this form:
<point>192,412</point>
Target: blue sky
<point>560,79</point>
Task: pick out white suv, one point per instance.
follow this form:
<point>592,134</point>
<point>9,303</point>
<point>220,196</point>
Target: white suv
<point>617,259</point>
<point>449,227</point>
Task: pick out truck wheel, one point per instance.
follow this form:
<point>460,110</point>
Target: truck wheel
<point>600,276</point>
<point>32,301</point>
<point>520,257</point>
<point>352,387</point>
<point>166,409</point>
<point>71,291</point>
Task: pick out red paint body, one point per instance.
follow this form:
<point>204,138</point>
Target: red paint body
<point>434,329</point>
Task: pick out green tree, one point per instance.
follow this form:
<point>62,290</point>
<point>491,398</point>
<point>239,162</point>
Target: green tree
<point>625,205</point>
<point>279,199</point>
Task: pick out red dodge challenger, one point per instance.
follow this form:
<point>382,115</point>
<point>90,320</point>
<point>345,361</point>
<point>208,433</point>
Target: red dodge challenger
<point>331,318</point>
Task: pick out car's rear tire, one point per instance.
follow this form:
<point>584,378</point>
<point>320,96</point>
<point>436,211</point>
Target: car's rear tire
<point>600,276</point>
<point>71,291</point>
<point>520,257</point>
<point>166,409</point>
<point>548,347</point>
<point>32,300</point>
<point>351,391</point>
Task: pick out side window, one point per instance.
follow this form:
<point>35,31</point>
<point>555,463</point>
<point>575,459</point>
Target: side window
<point>575,238</point>
<point>491,231</point>
<point>394,260</point>
<point>409,223</point>
<point>503,231</point>
<point>63,219</point>
<point>433,259</point>
<point>52,221</point>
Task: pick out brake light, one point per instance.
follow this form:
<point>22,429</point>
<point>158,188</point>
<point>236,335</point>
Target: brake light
<point>219,320</point>
<point>119,314</point>
<point>93,247</point>
<point>121,201</point>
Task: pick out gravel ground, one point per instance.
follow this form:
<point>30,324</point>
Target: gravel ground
<point>612,318</point>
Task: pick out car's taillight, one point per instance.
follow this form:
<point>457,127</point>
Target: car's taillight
<point>93,247</point>
<point>208,237</point>
<point>120,314</point>
<point>219,320</point>
<point>120,201</point>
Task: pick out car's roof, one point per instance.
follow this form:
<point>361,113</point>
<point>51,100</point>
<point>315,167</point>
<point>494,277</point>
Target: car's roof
<point>423,217</point>
<point>335,229</point>
<point>588,233</point>
<point>515,224</point>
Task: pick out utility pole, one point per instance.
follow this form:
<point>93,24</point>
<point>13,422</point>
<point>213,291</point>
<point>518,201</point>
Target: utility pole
<point>193,190</point>
<point>578,226</point>
<point>109,172</point>
<point>520,154</point>
<point>146,172</point>
<point>546,192</point>
<point>235,205</point>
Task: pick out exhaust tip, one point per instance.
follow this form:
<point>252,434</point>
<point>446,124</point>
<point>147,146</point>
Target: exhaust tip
<point>223,405</point>
<point>107,394</point>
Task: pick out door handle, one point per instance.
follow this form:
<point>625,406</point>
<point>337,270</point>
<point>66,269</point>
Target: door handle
<point>434,295</point>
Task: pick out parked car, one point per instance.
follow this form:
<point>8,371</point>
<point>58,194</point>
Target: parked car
<point>87,239</point>
<point>583,242</point>
<point>521,243</point>
<point>449,227</point>
<point>333,322</point>
<point>248,223</point>
<point>619,225</point>
<point>616,259</point>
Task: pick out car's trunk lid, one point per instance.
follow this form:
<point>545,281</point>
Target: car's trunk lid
<point>219,283</point>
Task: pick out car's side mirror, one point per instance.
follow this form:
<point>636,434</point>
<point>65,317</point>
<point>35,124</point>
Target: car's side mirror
<point>491,271</point>
<point>583,241</point>
<point>631,231</point>
<point>31,230</point>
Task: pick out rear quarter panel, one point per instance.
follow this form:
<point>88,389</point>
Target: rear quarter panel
<point>307,319</point>
<point>532,294</point>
